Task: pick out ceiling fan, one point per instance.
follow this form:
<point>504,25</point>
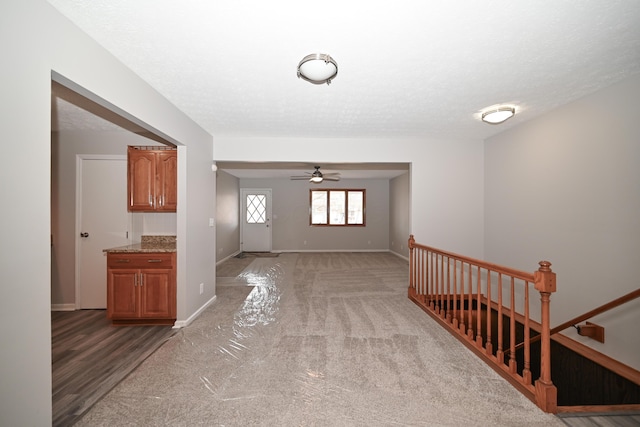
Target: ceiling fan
<point>317,177</point>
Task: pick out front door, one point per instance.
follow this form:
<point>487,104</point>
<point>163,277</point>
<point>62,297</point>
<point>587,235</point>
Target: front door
<point>255,221</point>
<point>103,222</point>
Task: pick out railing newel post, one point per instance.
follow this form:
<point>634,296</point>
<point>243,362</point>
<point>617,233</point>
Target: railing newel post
<point>546,392</point>
<point>411,266</point>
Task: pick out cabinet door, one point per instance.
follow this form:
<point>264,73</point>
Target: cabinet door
<point>141,180</point>
<point>122,287</point>
<point>167,185</point>
<point>157,297</point>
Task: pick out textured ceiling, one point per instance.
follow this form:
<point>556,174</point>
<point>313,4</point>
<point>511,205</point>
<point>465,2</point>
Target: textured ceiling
<point>406,68</point>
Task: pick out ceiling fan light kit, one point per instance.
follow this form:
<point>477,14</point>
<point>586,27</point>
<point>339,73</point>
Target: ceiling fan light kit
<point>318,68</point>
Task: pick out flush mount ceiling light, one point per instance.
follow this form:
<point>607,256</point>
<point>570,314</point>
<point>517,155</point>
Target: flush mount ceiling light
<point>498,115</point>
<point>317,68</point>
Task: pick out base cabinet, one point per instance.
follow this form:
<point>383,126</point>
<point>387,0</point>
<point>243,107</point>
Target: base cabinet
<point>141,288</point>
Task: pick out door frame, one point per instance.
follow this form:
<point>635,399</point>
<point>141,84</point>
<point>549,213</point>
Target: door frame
<point>243,194</point>
<point>78,213</point>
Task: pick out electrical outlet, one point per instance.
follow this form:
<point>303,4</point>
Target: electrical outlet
<point>201,288</point>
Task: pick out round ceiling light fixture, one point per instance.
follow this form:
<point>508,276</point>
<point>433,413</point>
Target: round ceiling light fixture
<point>318,68</point>
<point>498,115</point>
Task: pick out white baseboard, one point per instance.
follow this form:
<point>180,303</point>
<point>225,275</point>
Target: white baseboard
<point>182,323</point>
<point>400,256</point>
<point>226,258</point>
<point>331,250</point>
<point>63,307</point>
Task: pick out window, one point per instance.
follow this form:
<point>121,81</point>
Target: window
<point>337,207</point>
<point>256,208</point>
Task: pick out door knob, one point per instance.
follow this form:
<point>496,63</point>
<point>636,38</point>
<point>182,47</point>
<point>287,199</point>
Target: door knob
<point>85,234</point>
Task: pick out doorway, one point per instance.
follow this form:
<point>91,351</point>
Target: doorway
<point>255,221</point>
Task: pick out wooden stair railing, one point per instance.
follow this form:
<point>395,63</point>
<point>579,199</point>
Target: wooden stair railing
<point>467,296</point>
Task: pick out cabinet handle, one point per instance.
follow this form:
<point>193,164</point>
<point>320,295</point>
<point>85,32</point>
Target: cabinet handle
<point>154,260</point>
<point>141,280</point>
<point>150,200</point>
<point>123,260</point>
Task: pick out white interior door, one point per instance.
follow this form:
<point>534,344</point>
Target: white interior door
<point>256,220</point>
<point>103,222</point>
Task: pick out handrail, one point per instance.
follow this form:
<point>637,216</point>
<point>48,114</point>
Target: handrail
<point>484,264</point>
<point>604,307</point>
<point>588,315</point>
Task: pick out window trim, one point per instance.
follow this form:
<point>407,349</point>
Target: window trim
<point>346,197</point>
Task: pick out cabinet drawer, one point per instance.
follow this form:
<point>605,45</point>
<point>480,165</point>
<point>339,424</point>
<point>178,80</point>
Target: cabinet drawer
<point>136,260</point>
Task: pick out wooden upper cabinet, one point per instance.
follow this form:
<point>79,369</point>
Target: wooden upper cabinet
<point>141,180</point>
<point>152,179</point>
<point>167,180</point>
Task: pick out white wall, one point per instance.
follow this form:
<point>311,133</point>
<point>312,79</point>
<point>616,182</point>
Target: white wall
<point>399,206</point>
<point>227,215</point>
<point>566,188</point>
<point>290,216</point>
<point>44,41</point>
<point>447,182</point>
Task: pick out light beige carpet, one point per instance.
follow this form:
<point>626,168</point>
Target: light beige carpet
<point>315,340</point>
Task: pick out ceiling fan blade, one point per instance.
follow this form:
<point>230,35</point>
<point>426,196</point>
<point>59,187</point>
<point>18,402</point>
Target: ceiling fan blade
<point>300,177</point>
<point>331,178</point>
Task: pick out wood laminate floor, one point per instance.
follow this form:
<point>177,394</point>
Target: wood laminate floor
<point>89,357</point>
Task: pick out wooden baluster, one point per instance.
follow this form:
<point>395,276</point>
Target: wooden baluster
<point>499,352</point>
<point>436,284</point>
<point>489,345</point>
<point>440,284</point>
<point>442,288</point>
<point>425,275</point>
<point>420,274</point>
<point>433,279</point>
<point>546,392</point>
<point>425,262</point>
<point>479,310</point>
<point>526,372</point>
<point>455,293</point>
<point>448,294</point>
<point>462,311</point>
<point>416,270</point>
<point>470,305</point>
<point>411,265</point>
<point>513,366</point>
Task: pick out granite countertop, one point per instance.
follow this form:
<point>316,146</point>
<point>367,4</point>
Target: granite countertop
<point>148,244</point>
